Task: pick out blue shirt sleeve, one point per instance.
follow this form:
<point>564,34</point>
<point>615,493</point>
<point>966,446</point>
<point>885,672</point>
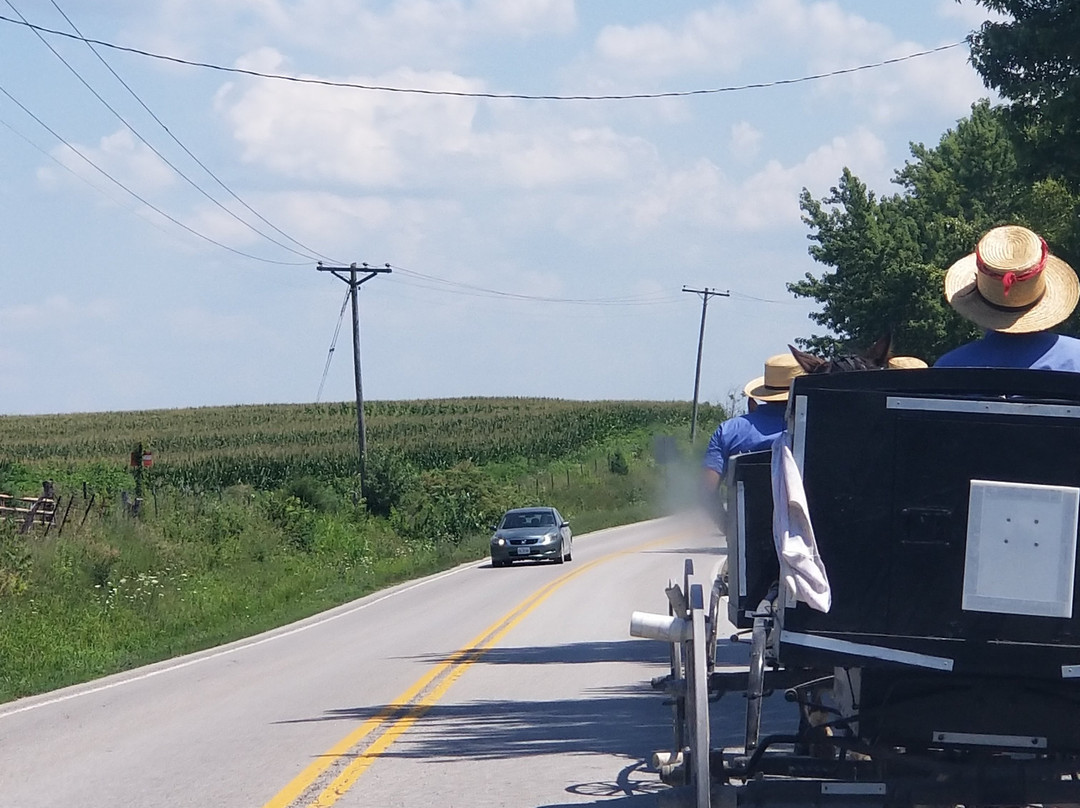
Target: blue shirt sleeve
<point>714,453</point>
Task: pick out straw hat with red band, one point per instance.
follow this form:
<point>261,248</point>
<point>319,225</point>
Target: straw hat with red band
<point>1012,283</point>
<point>774,385</point>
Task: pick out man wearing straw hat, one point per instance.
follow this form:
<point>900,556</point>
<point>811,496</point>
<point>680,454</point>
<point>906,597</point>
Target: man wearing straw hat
<point>1016,290</point>
<point>755,430</point>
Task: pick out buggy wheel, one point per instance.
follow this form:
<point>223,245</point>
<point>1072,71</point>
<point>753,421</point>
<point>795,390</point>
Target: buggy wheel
<point>697,684</point>
<point>719,589</point>
<point>755,684</point>
<point>678,701</point>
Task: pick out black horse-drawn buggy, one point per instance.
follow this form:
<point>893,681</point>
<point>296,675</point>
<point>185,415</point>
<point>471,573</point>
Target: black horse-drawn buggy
<point>942,510</point>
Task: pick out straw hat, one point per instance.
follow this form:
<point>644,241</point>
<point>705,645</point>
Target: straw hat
<point>1012,283</point>
<point>905,362</point>
<point>774,385</point>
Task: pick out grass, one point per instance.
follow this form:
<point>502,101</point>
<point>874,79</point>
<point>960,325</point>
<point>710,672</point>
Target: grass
<point>197,570</point>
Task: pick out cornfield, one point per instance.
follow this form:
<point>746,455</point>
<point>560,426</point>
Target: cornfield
<point>209,448</point>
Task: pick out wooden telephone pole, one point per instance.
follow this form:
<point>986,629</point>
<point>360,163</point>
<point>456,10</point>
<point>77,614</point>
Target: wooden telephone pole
<point>705,295</point>
<point>349,275</point>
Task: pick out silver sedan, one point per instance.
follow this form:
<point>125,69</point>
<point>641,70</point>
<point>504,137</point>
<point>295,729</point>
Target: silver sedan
<point>531,533</point>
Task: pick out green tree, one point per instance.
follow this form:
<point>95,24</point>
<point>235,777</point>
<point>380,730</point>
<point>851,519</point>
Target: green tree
<point>447,505</point>
<point>1032,60</point>
<point>889,255</point>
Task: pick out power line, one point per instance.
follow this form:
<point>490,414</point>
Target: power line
<point>743,296</point>
<point>349,275</point>
<point>147,143</point>
<point>468,289</point>
<point>135,194</point>
<point>200,163</point>
<point>467,94</point>
<point>420,280</point>
<point>705,293</point>
<point>333,344</point>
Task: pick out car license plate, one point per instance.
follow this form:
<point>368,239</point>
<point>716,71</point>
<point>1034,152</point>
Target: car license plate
<point>522,550</point>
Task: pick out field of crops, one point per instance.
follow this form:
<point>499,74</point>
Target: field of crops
<point>252,516</point>
<point>264,445</point>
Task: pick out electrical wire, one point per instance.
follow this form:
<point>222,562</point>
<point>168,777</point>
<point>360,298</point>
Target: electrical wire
<point>468,289</point>
<point>423,281</point>
<point>333,345</point>
<point>515,96</point>
<point>310,251</point>
<point>114,199</point>
<point>142,139</point>
<point>744,296</point>
<point>138,196</point>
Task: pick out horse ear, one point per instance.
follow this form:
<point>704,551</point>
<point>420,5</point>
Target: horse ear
<point>879,351</point>
<point>808,362</point>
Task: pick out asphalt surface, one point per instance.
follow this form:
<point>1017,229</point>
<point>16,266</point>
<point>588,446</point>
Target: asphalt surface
<point>515,687</point>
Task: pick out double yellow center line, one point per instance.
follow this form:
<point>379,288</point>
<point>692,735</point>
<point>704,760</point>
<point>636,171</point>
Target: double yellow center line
<point>336,771</point>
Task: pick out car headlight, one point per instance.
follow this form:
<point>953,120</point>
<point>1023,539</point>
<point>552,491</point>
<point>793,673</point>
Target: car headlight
<point>499,541</point>
<point>551,538</point>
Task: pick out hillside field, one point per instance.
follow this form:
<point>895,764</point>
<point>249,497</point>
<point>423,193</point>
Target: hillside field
<point>254,516</point>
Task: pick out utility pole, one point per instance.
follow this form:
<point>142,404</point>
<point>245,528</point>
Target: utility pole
<point>354,284</point>
<point>705,295</point>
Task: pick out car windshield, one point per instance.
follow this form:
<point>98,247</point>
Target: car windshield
<point>528,519</point>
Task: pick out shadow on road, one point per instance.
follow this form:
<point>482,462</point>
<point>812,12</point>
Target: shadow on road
<point>624,721</point>
<point>628,720</point>
<point>635,786</point>
<point>688,551</point>
<point>644,651</point>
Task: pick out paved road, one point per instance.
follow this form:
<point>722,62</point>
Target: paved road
<point>513,687</point>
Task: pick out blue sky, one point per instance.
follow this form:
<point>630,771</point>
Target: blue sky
<point>540,246</point>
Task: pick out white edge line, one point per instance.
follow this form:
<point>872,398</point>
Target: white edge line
<point>251,642</point>
<point>238,645</point>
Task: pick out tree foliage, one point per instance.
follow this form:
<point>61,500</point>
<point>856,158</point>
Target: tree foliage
<point>446,505</point>
<point>1033,60</point>
<point>889,255</point>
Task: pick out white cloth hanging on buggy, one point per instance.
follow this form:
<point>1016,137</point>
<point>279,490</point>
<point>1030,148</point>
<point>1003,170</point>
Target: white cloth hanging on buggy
<point>801,568</point>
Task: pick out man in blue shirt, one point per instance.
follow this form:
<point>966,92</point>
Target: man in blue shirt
<point>757,429</point>
<point>1016,290</point>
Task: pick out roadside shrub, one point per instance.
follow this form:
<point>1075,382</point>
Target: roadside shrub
<point>389,476</point>
<point>314,494</point>
<point>449,504</point>
<point>617,463</point>
<point>18,480</point>
<point>15,561</point>
<point>295,520</point>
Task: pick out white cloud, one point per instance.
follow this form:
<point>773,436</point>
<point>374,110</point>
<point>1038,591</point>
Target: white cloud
<point>811,37</point>
<point>355,136</point>
<point>119,156</point>
<point>567,157</point>
<point>861,150</point>
<point>769,198</point>
<point>574,199</point>
<point>745,140</point>
<point>712,38</point>
<point>418,32</point>
<point>200,325</point>
<point>375,140</point>
<point>524,17</point>
<point>57,313</point>
<point>724,37</point>
<point>969,12</point>
<point>941,83</point>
